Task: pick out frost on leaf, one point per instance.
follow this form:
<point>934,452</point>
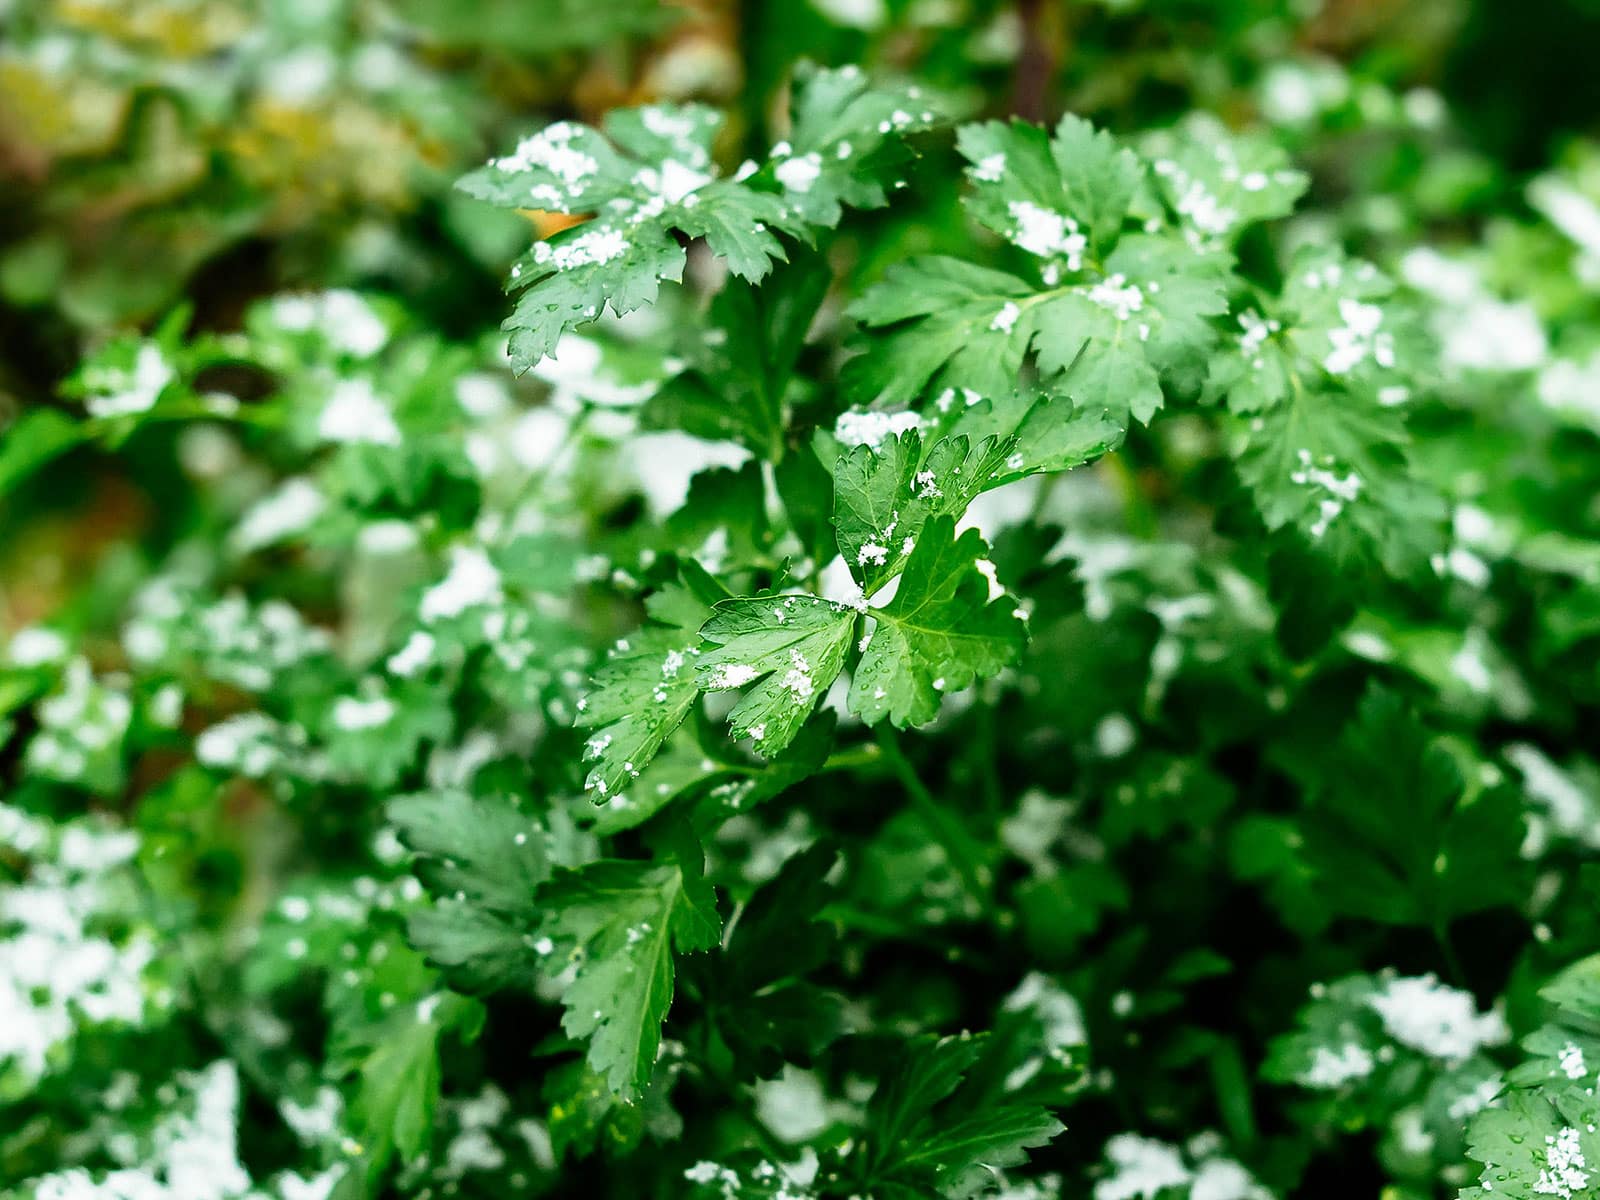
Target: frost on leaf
<point>1537,1137</point>
<point>791,647</point>
<point>1335,465</point>
<point>1219,182</point>
<point>1041,433</point>
<point>619,924</point>
<point>1118,318</point>
<point>1404,1049</point>
<point>939,634</point>
<point>940,322</point>
<point>1337,322</point>
<point>642,693</point>
<point>1063,196</point>
<point>885,494</point>
<point>648,175</point>
<point>846,137</point>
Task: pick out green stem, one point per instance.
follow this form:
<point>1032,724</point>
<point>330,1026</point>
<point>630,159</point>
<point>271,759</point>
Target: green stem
<point>1447,950</point>
<point>862,754</point>
<point>1231,1081</point>
<point>956,841</point>
<point>1141,514</point>
<point>988,761</point>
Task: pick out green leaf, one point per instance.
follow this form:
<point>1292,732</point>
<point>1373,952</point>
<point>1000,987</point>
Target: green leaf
<point>1218,182</point>
<point>929,1073</point>
<point>923,1139</point>
<point>1526,1141</point>
<point>1045,433</point>
<point>1575,992</point>
<point>1321,379</point>
<point>1366,1045</point>
<point>779,934</point>
<point>1098,177</point>
<point>1143,325</point>
<point>946,323</point>
<point>741,787</point>
<point>680,765</point>
<point>585,1113</point>
<point>1181,290</point>
<point>479,950</point>
<point>33,440</point>
<point>1117,371</point>
<point>1395,835</point>
<point>939,634</point>
<point>1336,323</point>
<point>1334,465</point>
<point>723,519</point>
<point>1062,197</point>
<point>1538,1144</point>
<point>645,175</point>
<point>1270,851</point>
<point>991,1140</point>
<point>619,923</point>
<point>1337,1043</point>
<point>486,848</point>
<point>764,1006</point>
<point>381,754</point>
<point>1120,318</point>
<point>806,488</point>
<point>791,648</point>
<point>400,1087</point>
<point>398,1093</point>
<point>846,135</point>
<point>483,859</point>
<point>739,366</point>
<point>884,494</point>
<point>649,176</point>
<point>640,695</point>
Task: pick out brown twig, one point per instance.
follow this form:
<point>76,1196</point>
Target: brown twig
<point>1036,61</point>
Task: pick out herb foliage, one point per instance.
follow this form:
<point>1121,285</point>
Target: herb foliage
<point>914,651</point>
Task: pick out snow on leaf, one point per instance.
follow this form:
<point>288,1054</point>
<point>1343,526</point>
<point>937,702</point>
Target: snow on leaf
<point>939,633</point>
<point>933,324</point>
<point>1334,465</point>
<point>884,495</point>
<point>642,693</point>
<point>1044,433</point>
<point>1220,182</point>
<point>648,176</point>
<point>792,647</point>
<point>1119,317</point>
<point>1063,196</point>
<point>620,924</point>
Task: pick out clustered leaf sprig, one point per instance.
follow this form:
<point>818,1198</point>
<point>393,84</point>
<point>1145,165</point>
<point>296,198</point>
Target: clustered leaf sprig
<point>1104,346</point>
